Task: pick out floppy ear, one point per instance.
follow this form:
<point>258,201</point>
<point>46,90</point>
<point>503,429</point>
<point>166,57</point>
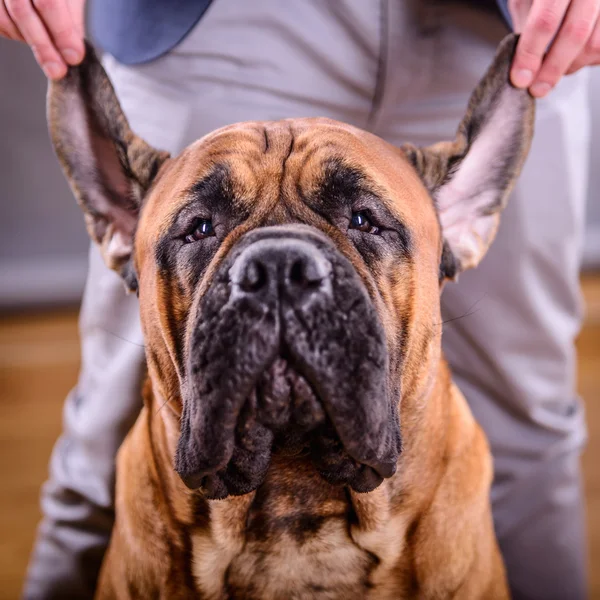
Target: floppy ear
<point>470,178</point>
<point>108,167</point>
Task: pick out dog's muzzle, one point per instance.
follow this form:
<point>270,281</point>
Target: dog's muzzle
<point>286,354</point>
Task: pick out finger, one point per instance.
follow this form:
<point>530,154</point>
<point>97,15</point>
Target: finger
<point>593,44</point>
<point>568,45</point>
<point>35,34</point>
<point>591,55</point>
<point>7,27</point>
<point>518,10</point>
<point>584,61</point>
<point>57,18</point>
<point>542,24</point>
<point>77,8</point>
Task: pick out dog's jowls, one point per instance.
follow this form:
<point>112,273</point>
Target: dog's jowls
<point>301,436</point>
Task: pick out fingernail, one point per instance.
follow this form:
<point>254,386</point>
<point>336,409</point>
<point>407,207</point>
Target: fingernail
<point>522,77</point>
<point>71,56</point>
<point>53,70</point>
<point>540,89</point>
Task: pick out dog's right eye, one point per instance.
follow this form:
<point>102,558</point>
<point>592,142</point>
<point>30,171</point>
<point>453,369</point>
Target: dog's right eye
<point>203,228</point>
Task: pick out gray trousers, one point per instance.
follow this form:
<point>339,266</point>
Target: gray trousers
<point>403,70</point>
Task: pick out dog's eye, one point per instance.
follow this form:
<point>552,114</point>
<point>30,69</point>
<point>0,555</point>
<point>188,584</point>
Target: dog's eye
<point>361,222</point>
<point>203,228</point>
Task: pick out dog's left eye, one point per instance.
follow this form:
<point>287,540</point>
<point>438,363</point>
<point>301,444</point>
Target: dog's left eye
<point>203,228</point>
<point>361,222</point>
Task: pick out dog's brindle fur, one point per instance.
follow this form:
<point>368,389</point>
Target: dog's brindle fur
<point>276,523</point>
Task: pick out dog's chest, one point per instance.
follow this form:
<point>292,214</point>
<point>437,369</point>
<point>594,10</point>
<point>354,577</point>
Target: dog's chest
<point>290,541</point>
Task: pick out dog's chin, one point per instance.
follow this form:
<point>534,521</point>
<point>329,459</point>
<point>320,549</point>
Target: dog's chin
<point>288,403</point>
<point>282,415</point>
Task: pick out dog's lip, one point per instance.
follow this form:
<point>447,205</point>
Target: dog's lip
<point>289,368</point>
<point>281,445</point>
<point>385,470</point>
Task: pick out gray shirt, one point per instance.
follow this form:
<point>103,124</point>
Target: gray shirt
<point>138,31</point>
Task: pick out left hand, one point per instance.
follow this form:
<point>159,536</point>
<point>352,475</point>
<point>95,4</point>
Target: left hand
<point>574,25</point>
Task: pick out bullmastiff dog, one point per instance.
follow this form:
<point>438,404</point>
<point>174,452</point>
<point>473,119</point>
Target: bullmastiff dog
<point>301,436</point>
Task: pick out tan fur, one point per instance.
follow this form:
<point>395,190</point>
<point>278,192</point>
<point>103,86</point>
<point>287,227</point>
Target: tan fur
<point>426,532</point>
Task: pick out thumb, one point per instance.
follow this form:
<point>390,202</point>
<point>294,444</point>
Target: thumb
<point>519,9</point>
<point>77,10</point>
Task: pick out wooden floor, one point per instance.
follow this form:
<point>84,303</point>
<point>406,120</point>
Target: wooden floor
<point>39,357</point>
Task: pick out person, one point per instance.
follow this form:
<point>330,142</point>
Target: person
<point>402,69</point>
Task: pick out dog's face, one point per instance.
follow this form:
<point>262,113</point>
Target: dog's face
<point>277,262</point>
<point>289,272</point>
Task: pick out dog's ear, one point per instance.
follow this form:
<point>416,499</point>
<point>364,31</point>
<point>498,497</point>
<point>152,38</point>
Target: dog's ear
<point>470,178</point>
<point>108,167</point>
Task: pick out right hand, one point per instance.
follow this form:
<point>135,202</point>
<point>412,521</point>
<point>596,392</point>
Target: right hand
<point>53,29</point>
<point>558,37</point>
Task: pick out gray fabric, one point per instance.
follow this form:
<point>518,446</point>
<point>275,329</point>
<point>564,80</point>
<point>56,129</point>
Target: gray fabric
<point>403,70</point>
<point>139,31</point>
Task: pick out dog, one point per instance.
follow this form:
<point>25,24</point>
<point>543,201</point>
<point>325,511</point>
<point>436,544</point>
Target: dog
<point>301,436</point>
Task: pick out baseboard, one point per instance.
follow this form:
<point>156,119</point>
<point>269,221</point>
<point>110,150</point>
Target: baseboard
<point>42,282</point>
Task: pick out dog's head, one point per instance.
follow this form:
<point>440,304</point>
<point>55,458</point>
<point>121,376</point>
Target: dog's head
<point>289,272</point>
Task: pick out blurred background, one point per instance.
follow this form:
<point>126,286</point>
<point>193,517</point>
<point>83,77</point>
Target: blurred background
<point>43,263</point>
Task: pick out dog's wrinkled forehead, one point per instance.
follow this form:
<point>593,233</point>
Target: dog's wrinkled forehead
<point>300,170</point>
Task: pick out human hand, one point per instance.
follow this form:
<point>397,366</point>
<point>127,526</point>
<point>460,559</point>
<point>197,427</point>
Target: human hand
<point>52,28</point>
<point>574,25</point>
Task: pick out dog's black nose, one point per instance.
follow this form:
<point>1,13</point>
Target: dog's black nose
<point>291,267</point>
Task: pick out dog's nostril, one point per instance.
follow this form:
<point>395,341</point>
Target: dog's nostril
<point>304,273</point>
<point>255,277</point>
<point>297,272</point>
